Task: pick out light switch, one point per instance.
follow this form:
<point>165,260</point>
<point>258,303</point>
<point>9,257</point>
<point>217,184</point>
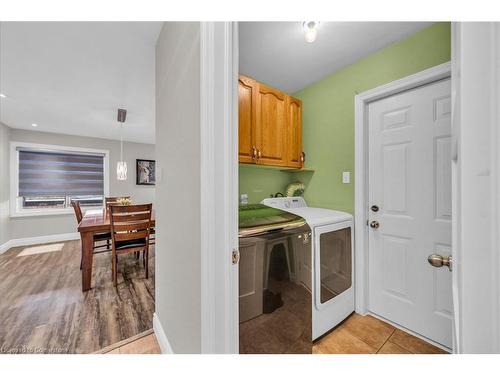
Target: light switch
<point>346,177</point>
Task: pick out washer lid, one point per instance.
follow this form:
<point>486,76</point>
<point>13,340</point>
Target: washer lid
<point>258,219</point>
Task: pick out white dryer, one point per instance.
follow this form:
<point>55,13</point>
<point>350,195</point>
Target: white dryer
<point>333,259</point>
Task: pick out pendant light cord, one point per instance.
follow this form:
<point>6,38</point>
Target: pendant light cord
<point>121,141</point>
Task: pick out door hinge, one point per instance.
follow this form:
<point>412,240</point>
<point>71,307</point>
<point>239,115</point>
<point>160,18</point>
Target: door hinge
<point>235,256</point>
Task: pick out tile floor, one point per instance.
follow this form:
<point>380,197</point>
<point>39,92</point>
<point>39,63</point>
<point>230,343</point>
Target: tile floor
<point>368,335</point>
<point>145,344</point>
<point>356,335</point>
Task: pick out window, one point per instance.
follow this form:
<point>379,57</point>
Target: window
<point>48,178</point>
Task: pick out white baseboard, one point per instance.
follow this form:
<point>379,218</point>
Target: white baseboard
<point>4,247</point>
<point>161,337</point>
<point>38,240</point>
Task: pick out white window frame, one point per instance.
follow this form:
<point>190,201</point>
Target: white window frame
<point>15,209</point>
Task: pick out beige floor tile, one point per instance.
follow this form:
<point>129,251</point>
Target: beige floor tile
<point>391,348</point>
<point>414,344</point>
<point>317,350</point>
<point>341,341</point>
<point>369,329</point>
<point>144,345</point>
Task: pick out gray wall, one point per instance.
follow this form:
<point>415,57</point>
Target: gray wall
<point>23,227</point>
<point>178,192</point>
<point>4,183</point>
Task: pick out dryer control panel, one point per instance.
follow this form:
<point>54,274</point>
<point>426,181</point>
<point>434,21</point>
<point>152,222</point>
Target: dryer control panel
<point>285,202</point>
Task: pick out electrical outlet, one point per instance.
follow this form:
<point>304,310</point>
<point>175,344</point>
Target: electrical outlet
<point>244,199</point>
<point>346,177</point>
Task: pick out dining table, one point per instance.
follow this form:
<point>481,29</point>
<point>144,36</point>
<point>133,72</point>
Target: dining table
<point>93,222</point>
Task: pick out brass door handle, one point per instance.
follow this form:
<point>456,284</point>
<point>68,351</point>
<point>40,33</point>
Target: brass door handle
<point>374,224</point>
<point>254,153</point>
<point>258,154</point>
<point>439,261</point>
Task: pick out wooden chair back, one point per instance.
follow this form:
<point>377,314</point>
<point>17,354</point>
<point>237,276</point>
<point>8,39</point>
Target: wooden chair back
<point>130,222</point>
<point>78,211</point>
<point>108,201</point>
<point>114,199</point>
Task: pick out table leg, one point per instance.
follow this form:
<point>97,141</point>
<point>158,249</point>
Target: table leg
<point>87,257</point>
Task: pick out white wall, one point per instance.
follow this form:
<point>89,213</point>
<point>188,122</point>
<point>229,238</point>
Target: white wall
<point>4,184</point>
<point>25,227</point>
<point>178,191</point>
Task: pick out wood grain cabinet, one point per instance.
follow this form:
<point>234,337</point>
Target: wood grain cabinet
<point>270,125</point>
<point>246,120</point>
<point>294,133</point>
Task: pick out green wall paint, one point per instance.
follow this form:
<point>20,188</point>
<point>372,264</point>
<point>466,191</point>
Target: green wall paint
<point>328,119</point>
<point>260,182</point>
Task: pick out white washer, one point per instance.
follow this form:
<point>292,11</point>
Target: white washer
<point>333,259</point>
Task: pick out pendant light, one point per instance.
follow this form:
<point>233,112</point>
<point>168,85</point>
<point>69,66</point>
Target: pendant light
<point>121,166</point>
<point>310,30</point>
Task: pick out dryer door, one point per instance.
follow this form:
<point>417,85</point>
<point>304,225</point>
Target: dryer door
<point>333,276</point>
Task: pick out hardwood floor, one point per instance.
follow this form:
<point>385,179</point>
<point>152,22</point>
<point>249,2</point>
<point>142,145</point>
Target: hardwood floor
<point>43,310</point>
<point>368,335</point>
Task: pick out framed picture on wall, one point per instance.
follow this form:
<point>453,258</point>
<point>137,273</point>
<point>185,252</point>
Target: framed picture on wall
<point>145,172</point>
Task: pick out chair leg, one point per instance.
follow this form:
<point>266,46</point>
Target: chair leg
<point>114,265</point>
<point>146,265</point>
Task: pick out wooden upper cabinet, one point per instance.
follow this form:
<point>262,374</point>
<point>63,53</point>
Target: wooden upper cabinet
<point>246,119</point>
<point>271,125</point>
<point>294,133</point>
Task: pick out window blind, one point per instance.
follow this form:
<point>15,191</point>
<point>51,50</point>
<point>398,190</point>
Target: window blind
<point>50,174</point>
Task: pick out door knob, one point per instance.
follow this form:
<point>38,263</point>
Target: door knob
<point>438,261</point>
<point>374,208</point>
<point>374,224</point>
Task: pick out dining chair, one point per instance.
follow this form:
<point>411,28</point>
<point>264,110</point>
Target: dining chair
<point>130,231</point>
<point>108,200</point>
<point>98,237</point>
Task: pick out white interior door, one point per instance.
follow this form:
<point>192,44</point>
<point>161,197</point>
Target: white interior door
<point>410,182</point>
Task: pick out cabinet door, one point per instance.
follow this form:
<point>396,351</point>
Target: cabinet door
<point>271,126</point>
<point>294,133</point>
<point>246,119</point>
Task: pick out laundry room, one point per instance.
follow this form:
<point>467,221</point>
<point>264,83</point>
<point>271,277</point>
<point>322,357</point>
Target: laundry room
<point>297,89</point>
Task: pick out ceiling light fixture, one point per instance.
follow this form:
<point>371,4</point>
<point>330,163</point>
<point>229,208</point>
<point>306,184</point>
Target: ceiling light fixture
<point>34,125</point>
<point>2,95</point>
<point>121,166</point>
<point>310,30</point>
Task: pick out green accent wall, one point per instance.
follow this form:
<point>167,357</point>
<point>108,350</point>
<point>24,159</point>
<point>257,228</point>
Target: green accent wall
<point>328,119</point>
<point>260,182</point>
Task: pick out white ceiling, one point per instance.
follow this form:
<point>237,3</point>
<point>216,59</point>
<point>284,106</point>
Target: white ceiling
<point>71,77</point>
<point>277,54</point>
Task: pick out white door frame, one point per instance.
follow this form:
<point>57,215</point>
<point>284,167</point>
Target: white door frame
<point>471,43</point>
<point>476,180</point>
<point>219,186</point>
<point>361,168</point>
